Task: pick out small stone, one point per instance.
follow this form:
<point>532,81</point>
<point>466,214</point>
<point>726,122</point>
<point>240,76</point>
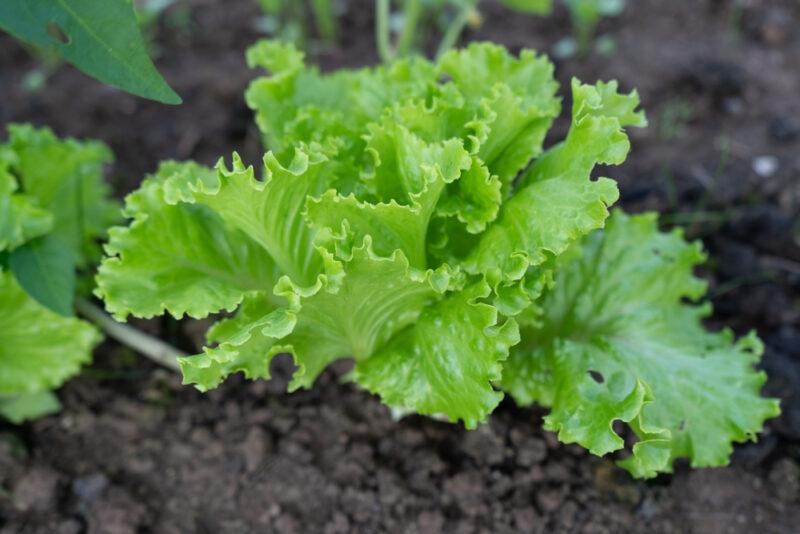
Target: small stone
<point>526,519</point>
<point>534,451</point>
<point>87,489</point>
<point>785,477</point>
<point>776,27</point>
<point>430,521</point>
<point>648,509</point>
<point>484,446</point>
<point>36,490</point>
<point>765,166</point>
<point>783,129</point>
<point>254,448</point>
<point>549,500</point>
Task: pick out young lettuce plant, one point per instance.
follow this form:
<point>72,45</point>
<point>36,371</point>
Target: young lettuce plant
<point>409,218</point>
<point>54,206</point>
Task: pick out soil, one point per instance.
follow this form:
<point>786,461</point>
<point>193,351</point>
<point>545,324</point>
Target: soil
<point>134,451</point>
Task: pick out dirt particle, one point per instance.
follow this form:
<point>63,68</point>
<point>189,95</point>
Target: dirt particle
<point>36,490</point>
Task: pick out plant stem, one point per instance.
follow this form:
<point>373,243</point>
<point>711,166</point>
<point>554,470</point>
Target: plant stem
<point>454,29</point>
<point>411,13</point>
<point>149,346</point>
<point>325,19</point>
<point>382,31</point>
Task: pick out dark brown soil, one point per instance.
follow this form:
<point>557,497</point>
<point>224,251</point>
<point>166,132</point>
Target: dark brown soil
<point>133,451</point>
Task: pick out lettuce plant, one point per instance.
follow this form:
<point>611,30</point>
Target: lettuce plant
<point>53,207</point>
<point>408,217</point>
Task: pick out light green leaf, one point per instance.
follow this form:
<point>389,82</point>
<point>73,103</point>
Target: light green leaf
<point>45,268</point>
<point>296,104</point>
<point>20,219</point>
<point>100,37</point>
<point>474,199</point>
<point>39,349</point>
<point>65,177</point>
<point>241,345</point>
<point>446,361</point>
<point>25,406</point>
<point>619,343</point>
<point>270,211</point>
<point>179,256</point>
<point>380,295</point>
<point>556,201</point>
<point>513,100</point>
<point>479,68</point>
<point>408,179</point>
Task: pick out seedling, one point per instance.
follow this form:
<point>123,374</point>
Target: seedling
<point>453,17</point>
<point>585,16</point>
<point>286,19</point>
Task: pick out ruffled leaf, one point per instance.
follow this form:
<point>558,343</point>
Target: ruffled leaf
<point>408,179</point>
<point>39,349</point>
<point>618,343</point>
<point>446,362</point>
<point>270,211</point>
<point>20,219</point>
<point>241,345</point>
<point>178,256</point>
<point>380,295</point>
<point>65,178</point>
<point>557,202</point>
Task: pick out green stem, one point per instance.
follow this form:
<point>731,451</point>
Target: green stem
<point>454,29</point>
<point>326,22</point>
<point>382,31</point>
<point>411,13</point>
<point>149,346</point>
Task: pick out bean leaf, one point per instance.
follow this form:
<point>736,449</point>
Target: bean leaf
<point>100,37</point>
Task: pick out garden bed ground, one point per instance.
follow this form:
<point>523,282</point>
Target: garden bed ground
<point>133,451</point>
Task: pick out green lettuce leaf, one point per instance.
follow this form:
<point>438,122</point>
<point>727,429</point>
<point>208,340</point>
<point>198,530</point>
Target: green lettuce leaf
<point>20,219</point>
<point>26,406</point>
<point>39,349</point>
<point>296,104</point>
<point>513,98</point>
<point>408,178</point>
<point>240,345</point>
<point>270,211</point>
<point>178,256</point>
<point>446,362</point>
<point>556,201</point>
<point>618,342</point>
<point>65,178</point>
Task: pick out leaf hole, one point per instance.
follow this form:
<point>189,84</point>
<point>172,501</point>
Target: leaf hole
<point>57,33</point>
<point>596,376</point>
